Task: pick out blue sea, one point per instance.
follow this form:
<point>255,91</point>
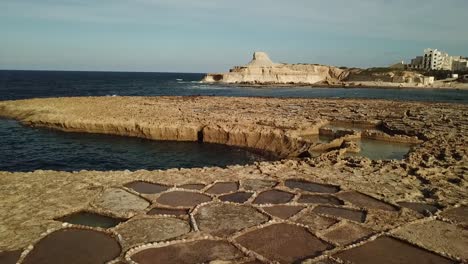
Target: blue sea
<point>27,149</point>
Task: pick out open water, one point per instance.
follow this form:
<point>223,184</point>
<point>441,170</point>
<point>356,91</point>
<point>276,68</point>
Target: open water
<point>26,149</point>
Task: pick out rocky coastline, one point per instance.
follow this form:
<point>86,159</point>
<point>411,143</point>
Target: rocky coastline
<point>315,190</point>
<point>262,71</point>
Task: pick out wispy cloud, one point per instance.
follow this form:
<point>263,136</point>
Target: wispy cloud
<point>397,19</point>
<point>358,31</point>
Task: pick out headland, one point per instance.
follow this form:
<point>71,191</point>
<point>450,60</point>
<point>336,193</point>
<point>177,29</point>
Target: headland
<point>261,70</point>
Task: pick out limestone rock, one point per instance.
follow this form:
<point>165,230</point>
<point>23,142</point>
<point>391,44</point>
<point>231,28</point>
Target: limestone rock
<point>148,230</point>
<point>120,202</point>
<point>261,70</point>
<point>222,219</point>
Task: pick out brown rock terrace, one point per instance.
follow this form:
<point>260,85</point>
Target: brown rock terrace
<point>321,203</point>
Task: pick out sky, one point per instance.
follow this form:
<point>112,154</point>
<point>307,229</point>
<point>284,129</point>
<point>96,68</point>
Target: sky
<point>214,35</point>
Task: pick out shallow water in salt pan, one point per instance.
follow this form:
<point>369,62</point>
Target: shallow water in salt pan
<point>90,219</point>
<point>383,150</point>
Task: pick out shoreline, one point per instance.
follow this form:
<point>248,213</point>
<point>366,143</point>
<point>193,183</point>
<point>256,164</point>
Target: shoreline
<point>464,87</point>
<point>372,199</point>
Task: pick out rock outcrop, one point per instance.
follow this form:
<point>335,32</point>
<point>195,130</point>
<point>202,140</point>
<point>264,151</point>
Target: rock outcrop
<point>261,70</point>
<point>331,194</point>
<point>387,76</point>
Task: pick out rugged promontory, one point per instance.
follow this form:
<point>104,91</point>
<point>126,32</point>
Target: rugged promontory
<point>261,70</point>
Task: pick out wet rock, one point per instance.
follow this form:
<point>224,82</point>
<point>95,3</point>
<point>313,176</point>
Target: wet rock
<point>258,184</point>
<point>422,208</point>
<point>168,211</point>
<point>74,246</point>
<point>286,243</point>
<point>183,199</point>
<point>91,219</point>
<point>146,230</point>
<point>311,186</point>
<point>222,219</point>
<point>10,257</point>
<point>223,187</point>
<point>202,251</point>
<point>350,214</point>
<point>321,261</point>
<point>283,211</point>
<point>316,222</point>
<point>384,220</point>
<point>351,146</point>
<point>346,233</point>
<point>252,262</point>
<point>390,250</point>
<point>120,201</point>
<point>319,199</point>
<point>273,197</point>
<point>238,197</point>
<point>457,214</point>
<point>365,201</point>
<point>146,187</point>
<point>193,186</point>
<point>438,236</point>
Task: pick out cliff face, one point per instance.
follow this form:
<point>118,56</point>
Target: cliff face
<point>261,70</point>
<point>386,75</point>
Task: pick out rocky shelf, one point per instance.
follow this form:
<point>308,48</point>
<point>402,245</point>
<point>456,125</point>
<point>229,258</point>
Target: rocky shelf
<point>317,208</point>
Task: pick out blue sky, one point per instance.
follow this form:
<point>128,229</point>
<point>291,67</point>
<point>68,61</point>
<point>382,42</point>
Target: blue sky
<point>213,35</point>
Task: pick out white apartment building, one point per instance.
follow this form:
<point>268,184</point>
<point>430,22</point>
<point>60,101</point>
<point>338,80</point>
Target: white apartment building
<point>434,59</point>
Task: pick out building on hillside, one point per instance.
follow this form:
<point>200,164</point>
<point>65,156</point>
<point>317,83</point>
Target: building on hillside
<point>416,63</point>
<point>434,59</point>
<point>459,64</point>
<point>464,78</point>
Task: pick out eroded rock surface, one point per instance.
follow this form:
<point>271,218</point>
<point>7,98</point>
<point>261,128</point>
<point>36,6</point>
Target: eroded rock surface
<point>10,257</point>
<point>146,187</point>
<point>344,213</point>
<point>346,233</point>
<point>202,251</point>
<point>147,230</point>
<point>390,250</point>
<point>442,237</point>
<point>74,246</point>
<point>258,184</point>
<point>283,211</point>
<point>120,202</point>
<point>183,199</point>
<point>286,243</point>
<point>316,222</point>
<point>225,219</point>
<point>273,197</point>
<point>433,173</point>
<point>238,197</point>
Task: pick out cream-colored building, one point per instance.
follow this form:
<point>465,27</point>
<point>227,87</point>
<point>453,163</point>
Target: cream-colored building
<point>434,59</point>
<point>459,64</point>
<point>416,63</point>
